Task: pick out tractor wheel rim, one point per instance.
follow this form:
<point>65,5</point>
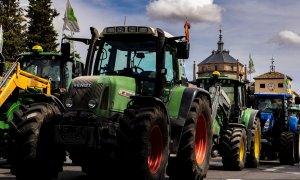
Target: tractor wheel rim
<point>242,149</point>
<point>256,143</point>
<point>200,139</point>
<point>156,149</point>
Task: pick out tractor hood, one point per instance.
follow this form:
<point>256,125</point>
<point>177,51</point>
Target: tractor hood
<point>100,94</point>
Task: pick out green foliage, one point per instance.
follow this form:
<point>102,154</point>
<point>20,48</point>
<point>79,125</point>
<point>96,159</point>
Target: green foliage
<point>13,24</point>
<point>40,28</point>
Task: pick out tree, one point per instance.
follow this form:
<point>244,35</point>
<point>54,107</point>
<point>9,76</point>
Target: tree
<point>40,27</point>
<point>13,24</point>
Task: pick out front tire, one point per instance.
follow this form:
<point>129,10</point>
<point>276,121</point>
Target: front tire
<point>286,151</point>
<point>35,155</point>
<point>234,144</point>
<point>146,153</point>
<point>194,151</point>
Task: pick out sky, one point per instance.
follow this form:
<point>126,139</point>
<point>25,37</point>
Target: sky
<point>265,29</point>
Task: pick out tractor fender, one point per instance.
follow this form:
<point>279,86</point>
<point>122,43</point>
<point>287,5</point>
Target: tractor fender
<point>151,102</point>
<point>250,121</point>
<point>252,117</point>
<point>187,99</point>
<point>48,99</point>
<point>293,123</point>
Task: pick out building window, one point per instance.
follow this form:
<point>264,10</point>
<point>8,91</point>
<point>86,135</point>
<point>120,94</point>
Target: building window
<point>280,85</point>
<point>208,68</point>
<point>262,86</point>
<point>232,68</point>
<point>216,68</point>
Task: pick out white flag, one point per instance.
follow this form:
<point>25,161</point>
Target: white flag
<point>251,65</point>
<point>70,20</point>
<point>1,39</point>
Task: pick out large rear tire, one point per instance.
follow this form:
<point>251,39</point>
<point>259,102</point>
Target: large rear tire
<point>252,159</point>
<point>148,134</point>
<point>234,143</point>
<point>195,145</point>
<point>286,148</point>
<point>35,155</point>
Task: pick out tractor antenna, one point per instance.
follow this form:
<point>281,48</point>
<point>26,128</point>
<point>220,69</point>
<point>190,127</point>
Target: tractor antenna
<point>272,67</point>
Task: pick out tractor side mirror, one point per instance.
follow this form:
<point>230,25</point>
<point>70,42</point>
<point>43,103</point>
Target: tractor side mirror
<point>297,100</point>
<point>77,69</point>
<point>65,51</point>
<point>183,50</point>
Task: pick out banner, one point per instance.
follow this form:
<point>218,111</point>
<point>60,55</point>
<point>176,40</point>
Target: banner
<point>251,65</point>
<point>287,84</point>
<point>70,20</point>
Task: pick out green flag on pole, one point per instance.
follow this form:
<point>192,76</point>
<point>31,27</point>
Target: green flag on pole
<point>70,20</point>
<point>287,84</point>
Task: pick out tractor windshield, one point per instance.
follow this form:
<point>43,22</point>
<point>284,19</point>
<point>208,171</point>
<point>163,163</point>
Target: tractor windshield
<point>269,104</point>
<point>46,68</point>
<point>229,91</point>
<point>126,57</point>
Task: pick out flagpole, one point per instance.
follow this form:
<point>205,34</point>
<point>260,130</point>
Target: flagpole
<point>2,59</point>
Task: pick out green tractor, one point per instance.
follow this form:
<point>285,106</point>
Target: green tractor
<point>133,115</point>
<point>30,104</point>
<point>236,128</point>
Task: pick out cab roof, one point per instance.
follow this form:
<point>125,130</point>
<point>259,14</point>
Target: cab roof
<point>132,30</point>
<point>273,95</point>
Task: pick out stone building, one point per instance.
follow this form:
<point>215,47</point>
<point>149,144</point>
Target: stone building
<point>273,82</point>
<point>221,61</point>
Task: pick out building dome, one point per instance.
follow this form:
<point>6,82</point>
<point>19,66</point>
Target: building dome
<point>220,60</point>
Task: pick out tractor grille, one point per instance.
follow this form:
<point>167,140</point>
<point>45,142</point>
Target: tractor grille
<point>85,89</point>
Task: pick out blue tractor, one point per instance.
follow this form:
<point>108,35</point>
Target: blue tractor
<point>279,127</point>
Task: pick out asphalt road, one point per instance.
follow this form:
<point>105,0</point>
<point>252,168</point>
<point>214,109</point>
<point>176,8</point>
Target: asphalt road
<point>266,170</point>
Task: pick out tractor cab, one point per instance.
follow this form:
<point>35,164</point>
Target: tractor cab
<point>234,89</point>
<point>274,111</point>
<point>149,55</point>
<point>49,65</point>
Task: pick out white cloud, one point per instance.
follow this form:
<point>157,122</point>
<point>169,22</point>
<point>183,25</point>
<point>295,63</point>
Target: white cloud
<point>288,38</point>
<point>194,10</point>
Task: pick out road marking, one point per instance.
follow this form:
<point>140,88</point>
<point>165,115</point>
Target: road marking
<point>270,169</point>
<point>280,167</point>
<point>7,175</point>
<point>296,173</point>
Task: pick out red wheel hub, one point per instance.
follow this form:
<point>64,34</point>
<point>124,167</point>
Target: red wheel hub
<point>156,149</point>
<point>200,139</point>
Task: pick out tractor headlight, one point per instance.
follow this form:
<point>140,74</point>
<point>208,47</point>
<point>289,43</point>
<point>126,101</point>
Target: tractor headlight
<point>92,103</point>
<point>69,103</point>
<point>266,126</point>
